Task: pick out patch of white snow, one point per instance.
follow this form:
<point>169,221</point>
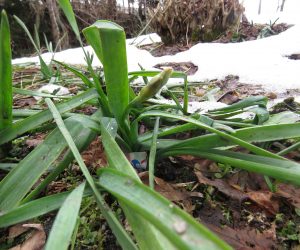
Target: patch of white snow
<point>52,89</point>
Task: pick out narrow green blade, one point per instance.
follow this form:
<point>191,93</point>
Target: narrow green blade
<point>280,169</point>
<point>7,166</point>
<point>33,121</point>
<point>36,93</point>
<point>65,221</point>
<point>256,134</point>
<point>84,78</point>
<point>5,74</point>
<point>152,154</point>
<point>23,25</point>
<point>247,102</point>
<point>34,209</point>
<point>46,70</point>
<point>65,5</point>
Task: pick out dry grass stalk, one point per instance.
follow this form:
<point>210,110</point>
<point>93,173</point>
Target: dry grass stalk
<point>177,20</point>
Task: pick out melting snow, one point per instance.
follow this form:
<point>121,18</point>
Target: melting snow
<point>261,61</point>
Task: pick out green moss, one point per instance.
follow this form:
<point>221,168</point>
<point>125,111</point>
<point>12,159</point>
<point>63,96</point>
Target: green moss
<point>211,35</point>
<point>195,36</point>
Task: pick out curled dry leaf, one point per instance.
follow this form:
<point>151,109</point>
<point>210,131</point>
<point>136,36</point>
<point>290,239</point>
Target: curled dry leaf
<point>35,241</point>
<point>266,200</point>
<point>246,238</point>
<point>229,97</point>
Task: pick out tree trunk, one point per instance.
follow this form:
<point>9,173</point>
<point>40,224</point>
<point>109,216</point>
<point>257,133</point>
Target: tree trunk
<point>111,6</point>
<point>57,26</point>
<point>51,4</point>
<point>39,10</point>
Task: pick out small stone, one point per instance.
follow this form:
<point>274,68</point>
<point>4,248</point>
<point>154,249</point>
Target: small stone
<point>272,95</point>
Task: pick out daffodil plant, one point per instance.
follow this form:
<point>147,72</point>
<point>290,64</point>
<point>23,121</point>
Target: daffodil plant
<point>156,223</point>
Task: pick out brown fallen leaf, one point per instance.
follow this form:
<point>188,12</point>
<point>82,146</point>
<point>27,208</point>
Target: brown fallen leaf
<point>57,187</point>
<point>16,230</point>
<point>229,97</point>
<point>246,238</point>
<point>222,186</point>
<point>167,190</point>
<point>271,95</point>
<point>35,141</point>
<point>248,181</point>
<point>187,157</point>
<point>290,192</point>
<point>94,155</point>
<point>188,67</point>
<point>24,102</point>
<point>266,200</point>
<point>36,240</point>
<point>205,165</point>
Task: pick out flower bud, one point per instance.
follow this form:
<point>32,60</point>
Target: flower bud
<point>155,84</point>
